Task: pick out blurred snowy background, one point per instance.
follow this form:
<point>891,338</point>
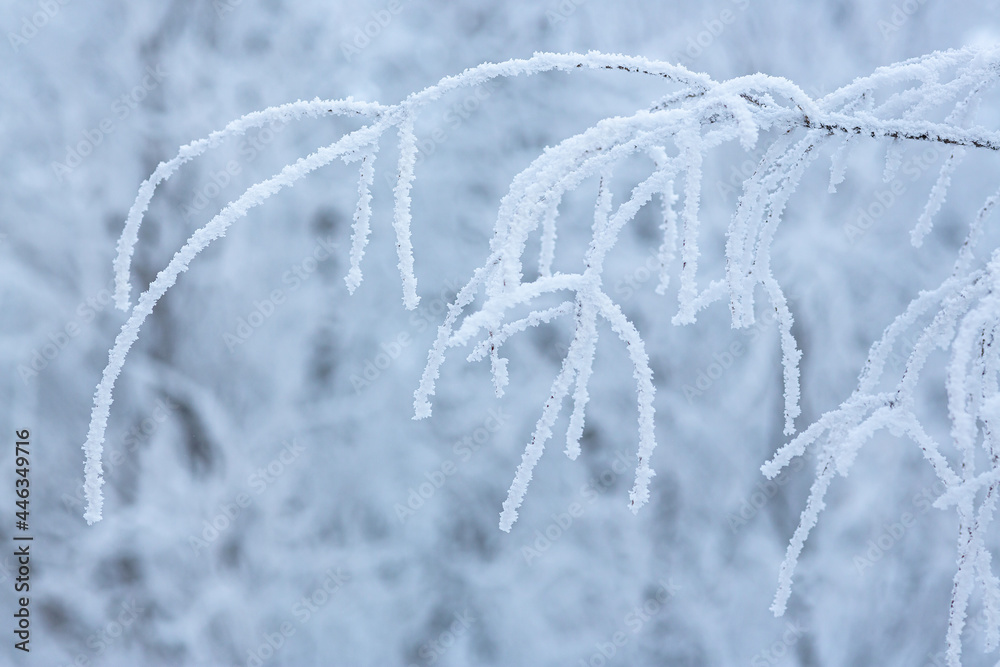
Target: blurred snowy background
<point>269,499</point>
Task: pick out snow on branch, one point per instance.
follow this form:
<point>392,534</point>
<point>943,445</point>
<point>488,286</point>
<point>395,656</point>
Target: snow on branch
<point>933,99</point>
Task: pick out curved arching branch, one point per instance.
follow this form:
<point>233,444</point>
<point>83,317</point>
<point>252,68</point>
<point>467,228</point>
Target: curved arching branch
<point>933,98</point>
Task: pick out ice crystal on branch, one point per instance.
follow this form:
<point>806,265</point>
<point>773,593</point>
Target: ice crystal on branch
<point>931,99</point>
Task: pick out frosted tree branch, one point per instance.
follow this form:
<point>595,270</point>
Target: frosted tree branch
<point>933,98</point>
